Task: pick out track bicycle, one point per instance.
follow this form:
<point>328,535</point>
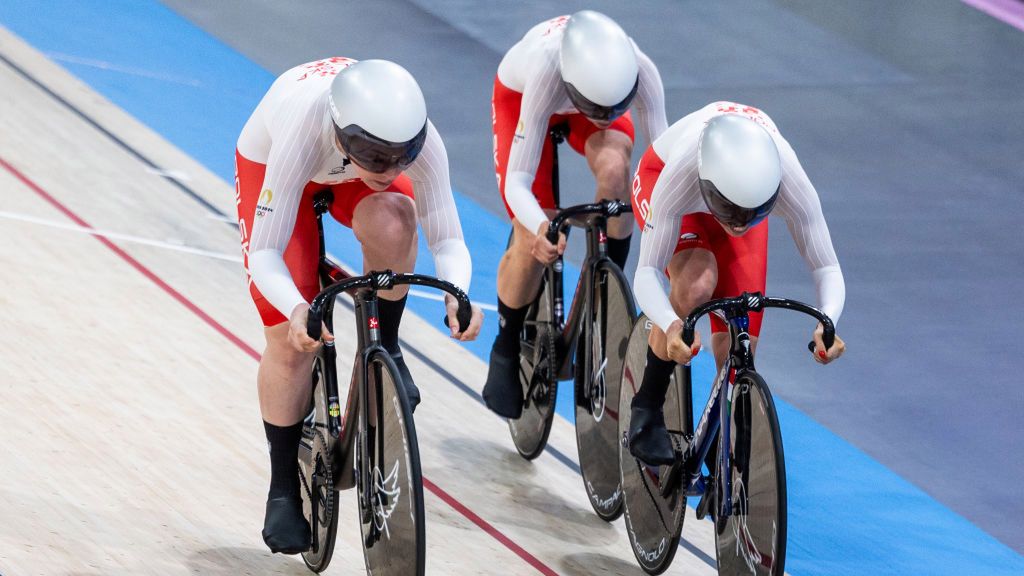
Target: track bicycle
<point>588,347</point>
<point>738,436</point>
<point>372,444</point>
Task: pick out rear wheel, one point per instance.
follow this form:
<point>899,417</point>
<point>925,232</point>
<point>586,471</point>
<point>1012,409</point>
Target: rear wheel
<point>752,540</point>
<point>653,522</point>
<point>391,488</point>
<point>538,378</point>
<point>599,360</point>
<point>317,482</point>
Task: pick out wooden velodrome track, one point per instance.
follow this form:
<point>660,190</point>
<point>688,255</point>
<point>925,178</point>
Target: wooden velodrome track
<point>131,435</point>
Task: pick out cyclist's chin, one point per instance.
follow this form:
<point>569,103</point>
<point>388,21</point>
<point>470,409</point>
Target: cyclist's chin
<point>378,183</point>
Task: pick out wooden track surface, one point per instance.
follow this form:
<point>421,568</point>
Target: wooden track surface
<point>131,436</point>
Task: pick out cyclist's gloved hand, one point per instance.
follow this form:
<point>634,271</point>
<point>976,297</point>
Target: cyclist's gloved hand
<point>297,335</point>
<point>677,349</point>
<point>452,308</point>
<point>545,252</point>
<point>822,356</point>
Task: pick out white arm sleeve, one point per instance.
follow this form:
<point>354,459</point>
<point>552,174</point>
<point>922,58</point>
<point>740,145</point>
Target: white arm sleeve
<point>650,98</point>
<point>673,196</point>
<point>799,205</point>
<point>435,209</point>
<point>542,95</point>
<point>294,155</point>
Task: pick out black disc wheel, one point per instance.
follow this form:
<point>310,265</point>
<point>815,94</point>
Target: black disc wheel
<point>538,377</point>
<point>390,486</point>
<point>317,484</point>
<point>752,539</point>
<point>653,521</point>
<point>599,360</point>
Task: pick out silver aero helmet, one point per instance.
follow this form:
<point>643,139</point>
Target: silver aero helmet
<point>379,115</point>
<point>738,170</point>
<point>599,68</point>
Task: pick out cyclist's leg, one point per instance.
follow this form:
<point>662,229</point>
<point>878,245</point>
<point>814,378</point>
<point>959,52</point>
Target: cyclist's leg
<point>743,267</point>
<point>608,151</point>
<point>283,376</point>
<point>519,273</point>
<point>385,225</point>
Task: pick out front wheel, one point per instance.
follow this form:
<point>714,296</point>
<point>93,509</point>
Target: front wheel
<point>390,484</point>
<point>752,539</point>
<point>599,360</point>
<point>653,522</point>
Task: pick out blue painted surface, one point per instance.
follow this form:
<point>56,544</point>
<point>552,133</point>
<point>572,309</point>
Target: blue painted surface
<point>848,514</point>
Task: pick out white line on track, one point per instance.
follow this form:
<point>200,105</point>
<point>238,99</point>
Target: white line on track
<point>118,236</point>
<point>104,65</point>
<point>188,249</point>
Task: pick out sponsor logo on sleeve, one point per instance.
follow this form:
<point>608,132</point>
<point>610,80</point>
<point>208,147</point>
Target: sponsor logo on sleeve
<point>263,206</point>
<point>520,131</point>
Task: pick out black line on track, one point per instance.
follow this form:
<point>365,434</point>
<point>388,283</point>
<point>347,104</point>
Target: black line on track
<point>555,453</point>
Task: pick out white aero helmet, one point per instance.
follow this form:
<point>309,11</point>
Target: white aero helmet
<point>599,68</point>
<point>379,115</point>
<point>738,169</point>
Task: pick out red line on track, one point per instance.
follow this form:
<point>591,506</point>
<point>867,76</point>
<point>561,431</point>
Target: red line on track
<point>184,301</point>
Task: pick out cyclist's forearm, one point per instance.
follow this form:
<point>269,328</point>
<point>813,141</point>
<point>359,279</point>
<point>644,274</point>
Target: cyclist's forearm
<point>519,195</point>
<point>271,276</point>
<point>831,289</point>
<point>652,294</point>
<point>452,262</point>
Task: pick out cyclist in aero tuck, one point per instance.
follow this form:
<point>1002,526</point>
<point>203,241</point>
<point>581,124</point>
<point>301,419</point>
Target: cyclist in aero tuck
<point>359,129</point>
<point>701,196</point>
<point>582,71</point>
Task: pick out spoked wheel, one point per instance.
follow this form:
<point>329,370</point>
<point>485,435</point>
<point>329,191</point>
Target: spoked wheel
<point>653,521</point>
<point>752,540</point>
<point>317,484</point>
<point>391,489</point>
<point>530,431</point>
<point>598,375</point>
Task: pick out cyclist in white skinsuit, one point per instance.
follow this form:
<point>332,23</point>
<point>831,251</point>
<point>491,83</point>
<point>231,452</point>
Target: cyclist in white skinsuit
<point>361,131</point>
<point>584,72</point>
<point>701,195</point>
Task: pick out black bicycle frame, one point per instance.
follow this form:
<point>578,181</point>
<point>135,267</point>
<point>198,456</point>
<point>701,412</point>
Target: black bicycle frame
<point>717,410</point>
<point>363,290</point>
<point>594,219</point>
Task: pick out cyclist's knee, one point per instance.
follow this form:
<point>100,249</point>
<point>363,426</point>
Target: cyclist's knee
<point>612,174</point>
<point>688,293</point>
<point>385,217</point>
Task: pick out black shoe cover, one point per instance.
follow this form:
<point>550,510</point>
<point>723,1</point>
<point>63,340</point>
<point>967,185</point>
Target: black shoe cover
<point>285,529</point>
<point>648,437</point>
<point>503,393</point>
<point>411,391</point>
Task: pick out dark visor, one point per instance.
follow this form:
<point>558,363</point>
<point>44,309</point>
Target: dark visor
<point>731,214</point>
<point>597,111</point>
<point>377,155</point>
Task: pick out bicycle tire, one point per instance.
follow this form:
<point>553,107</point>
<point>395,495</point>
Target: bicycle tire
<point>317,482</point>
<point>653,522</point>
<point>599,361</point>
<point>531,430</point>
<point>752,540</point>
<point>394,529</point>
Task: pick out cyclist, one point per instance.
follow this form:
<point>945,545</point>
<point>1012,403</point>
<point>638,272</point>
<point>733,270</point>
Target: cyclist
<point>582,71</point>
<point>359,129</point>
<point>701,195</point>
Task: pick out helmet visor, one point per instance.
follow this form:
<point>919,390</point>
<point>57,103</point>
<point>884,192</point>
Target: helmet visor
<point>732,214</point>
<point>596,111</point>
<point>375,154</point>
